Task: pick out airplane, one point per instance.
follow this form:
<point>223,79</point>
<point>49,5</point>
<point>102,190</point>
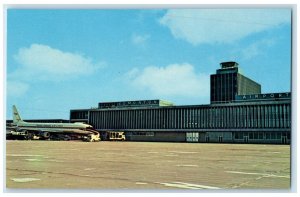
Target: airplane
<point>34,130</point>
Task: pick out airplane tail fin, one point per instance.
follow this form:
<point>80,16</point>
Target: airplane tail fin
<point>16,116</point>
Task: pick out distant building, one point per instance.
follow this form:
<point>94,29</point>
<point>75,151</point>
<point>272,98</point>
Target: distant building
<point>238,113</point>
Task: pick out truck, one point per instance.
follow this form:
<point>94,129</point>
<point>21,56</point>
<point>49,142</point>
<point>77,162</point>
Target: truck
<point>116,136</point>
<point>92,137</point>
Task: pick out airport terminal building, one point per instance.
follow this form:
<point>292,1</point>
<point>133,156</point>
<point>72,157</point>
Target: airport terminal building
<point>238,113</point>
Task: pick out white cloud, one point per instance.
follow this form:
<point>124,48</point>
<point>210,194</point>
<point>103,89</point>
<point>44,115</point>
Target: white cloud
<point>256,48</point>
<point>139,39</point>
<point>172,80</point>
<point>16,89</point>
<point>211,26</point>
<point>45,63</point>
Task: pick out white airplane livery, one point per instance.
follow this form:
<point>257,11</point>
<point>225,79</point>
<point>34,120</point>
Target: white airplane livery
<point>31,130</point>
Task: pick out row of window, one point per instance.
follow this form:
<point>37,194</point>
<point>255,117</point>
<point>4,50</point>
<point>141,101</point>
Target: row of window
<point>261,135</point>
<point>223,87</point>
<point>247,116</point>
<point>143,133</point>
<point>79,115</point>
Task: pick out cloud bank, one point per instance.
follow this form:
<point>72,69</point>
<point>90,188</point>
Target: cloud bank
<point>44,63</point>
<point>210,26</point>
<point>172,80</point>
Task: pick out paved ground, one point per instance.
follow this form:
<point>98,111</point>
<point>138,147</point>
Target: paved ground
<point>146,165</point>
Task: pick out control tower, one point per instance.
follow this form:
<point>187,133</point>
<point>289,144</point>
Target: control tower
<point>228,82</point>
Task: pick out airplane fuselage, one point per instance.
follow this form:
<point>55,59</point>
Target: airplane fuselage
<point>56,127</point>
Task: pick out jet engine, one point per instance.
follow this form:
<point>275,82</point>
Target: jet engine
<point>45,135</point>
<point>24,132</point>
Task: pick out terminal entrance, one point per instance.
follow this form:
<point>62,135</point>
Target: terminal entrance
<point>207,139</point>
<point>220,138</point>
<point>246,139</point>
<point>192,136</point>
<point>284,140</point>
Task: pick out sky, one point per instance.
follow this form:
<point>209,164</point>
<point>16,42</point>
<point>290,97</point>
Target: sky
<point>62,59</point>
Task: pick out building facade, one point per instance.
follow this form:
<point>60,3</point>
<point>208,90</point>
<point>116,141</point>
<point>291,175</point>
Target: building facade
<point>247,118</point>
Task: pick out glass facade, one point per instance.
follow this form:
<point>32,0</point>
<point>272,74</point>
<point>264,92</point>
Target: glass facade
<point>226,116</point>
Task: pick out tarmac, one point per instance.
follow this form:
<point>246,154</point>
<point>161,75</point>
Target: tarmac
<point>145,166</point>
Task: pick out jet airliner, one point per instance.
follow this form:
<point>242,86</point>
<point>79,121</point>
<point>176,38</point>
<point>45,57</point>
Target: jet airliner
<point>34,130</point>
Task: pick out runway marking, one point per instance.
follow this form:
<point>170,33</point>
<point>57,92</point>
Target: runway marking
<point>171,155</point>
<point>58,161</point>
<point>90,169</point>
<point>24,180</point>
<point>187,165</point>
<point>253,173</point>
<point>32,159</point>
<point>183,185</point>
<point>141,183</point>
<point>182,152</point>
<point>200,186</point>
<point>19,155</point>
<point>178,186</point>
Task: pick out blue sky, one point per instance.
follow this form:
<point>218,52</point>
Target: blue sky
<point>59,60</point>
